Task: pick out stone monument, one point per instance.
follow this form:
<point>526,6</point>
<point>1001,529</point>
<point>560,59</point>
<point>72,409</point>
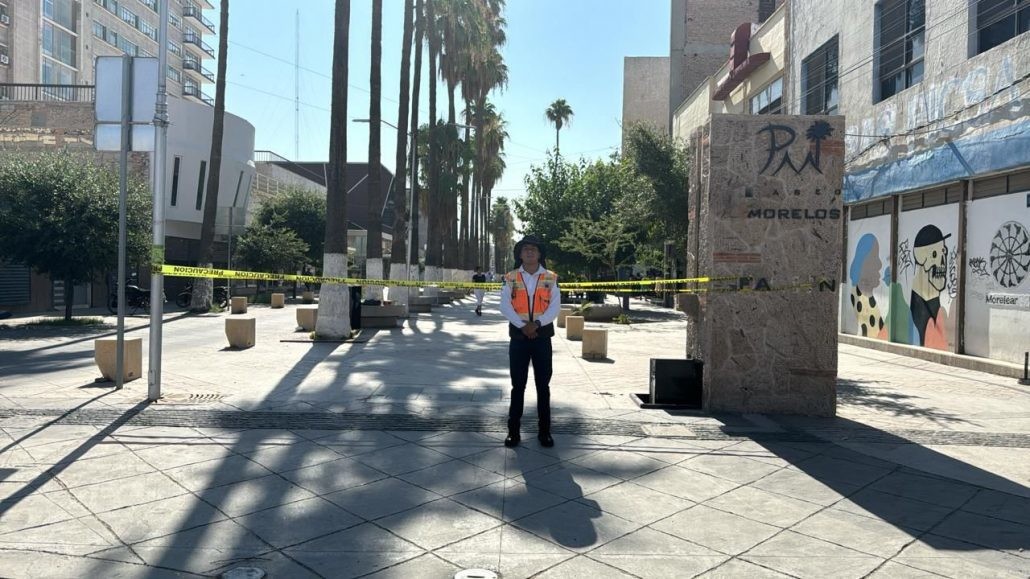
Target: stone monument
<point>765,223</point>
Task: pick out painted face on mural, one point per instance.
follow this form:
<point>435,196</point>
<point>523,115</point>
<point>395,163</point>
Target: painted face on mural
<point>931,258</point>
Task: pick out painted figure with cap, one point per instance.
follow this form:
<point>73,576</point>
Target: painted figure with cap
<point>530,301</point>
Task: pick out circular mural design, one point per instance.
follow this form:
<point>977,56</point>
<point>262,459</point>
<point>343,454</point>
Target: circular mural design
<point>1010,254</point>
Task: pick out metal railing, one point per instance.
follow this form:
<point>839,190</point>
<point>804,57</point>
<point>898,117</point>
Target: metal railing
<point>195,66</point>
<point>70,93</point>
<point>196,13</point>
<point>197,41</point>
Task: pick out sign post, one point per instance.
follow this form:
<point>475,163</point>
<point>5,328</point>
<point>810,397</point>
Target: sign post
<point>121,85</point>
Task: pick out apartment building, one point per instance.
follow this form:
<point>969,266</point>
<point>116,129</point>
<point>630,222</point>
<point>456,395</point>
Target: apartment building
<point>55,42</point>
<point>936,94</point>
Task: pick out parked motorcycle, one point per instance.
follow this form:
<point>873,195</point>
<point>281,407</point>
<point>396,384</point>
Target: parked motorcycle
<point>221,296</point>
<point>136,299</point>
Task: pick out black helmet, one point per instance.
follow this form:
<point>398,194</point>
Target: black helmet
<point>530,240</point>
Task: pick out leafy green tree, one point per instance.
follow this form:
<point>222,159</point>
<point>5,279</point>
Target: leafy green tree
<point>605,243</point>
<point>666,167</point>
<point>271,249</point>
<point>303,212</point>
<point>59,215</point>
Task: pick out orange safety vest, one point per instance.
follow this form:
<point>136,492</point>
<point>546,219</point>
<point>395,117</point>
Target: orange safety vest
<point>520,296</point>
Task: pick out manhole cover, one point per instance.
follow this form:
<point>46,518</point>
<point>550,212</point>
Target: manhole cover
<point>475,574</point>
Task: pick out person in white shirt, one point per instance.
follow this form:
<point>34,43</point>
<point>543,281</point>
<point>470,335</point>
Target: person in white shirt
<point>479,277</point>
<point>530,301</point>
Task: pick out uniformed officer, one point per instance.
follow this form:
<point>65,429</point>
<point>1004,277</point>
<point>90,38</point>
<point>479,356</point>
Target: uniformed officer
<point>530,300</point>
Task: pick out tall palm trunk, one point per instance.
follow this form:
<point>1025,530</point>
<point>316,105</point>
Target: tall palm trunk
<point>450,255</point>
<point>415,96</point>
<point>203,288</point>
<point>401,214</point>
<point>334,301</point>
<point>436,228</point>
<point>466,211</point>
<point>374,228</point>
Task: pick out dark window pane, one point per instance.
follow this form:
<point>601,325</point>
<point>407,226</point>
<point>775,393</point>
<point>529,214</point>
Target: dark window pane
<point>175,181</point>
<point>200,185</point>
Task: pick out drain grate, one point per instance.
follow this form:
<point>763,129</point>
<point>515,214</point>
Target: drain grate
<point>191,398</point>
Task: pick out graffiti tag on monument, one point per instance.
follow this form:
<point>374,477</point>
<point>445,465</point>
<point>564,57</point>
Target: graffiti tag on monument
<point>781,137</point>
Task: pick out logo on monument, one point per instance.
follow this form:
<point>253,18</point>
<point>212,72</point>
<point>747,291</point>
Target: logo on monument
<point>782,136</point>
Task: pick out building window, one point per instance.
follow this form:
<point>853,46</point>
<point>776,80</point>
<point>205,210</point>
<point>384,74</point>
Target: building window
<point>1000,20</point>
<point>127,46</point>
<point>175,180</point>
<point>174,20</point>
<point>765,9</point>
<point>174,74</point>
<point>200,185</point>
<point>148,29</point>
<point>770,100</point>
<point>5,57</point>
<point>819,92</point>
<point>59,44</point>
<point>62,12</point>
<point>900,45</point>
<point>152,4</point>
<point>174,48</point>
<point>5,16</point>
<point>52,72</point>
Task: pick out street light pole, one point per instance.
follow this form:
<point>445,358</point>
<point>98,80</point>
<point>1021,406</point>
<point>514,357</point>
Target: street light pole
<point>157,251</point>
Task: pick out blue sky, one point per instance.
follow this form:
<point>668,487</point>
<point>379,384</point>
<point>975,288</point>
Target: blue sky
<point>571,49</point>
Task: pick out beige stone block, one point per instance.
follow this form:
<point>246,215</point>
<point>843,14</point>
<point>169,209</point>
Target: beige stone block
<point>105,352</point>
<point>595,343</point>
<point>562,314</point>
<point>240,332</point>
<point>278,300</point>
<point>574,327</point>
<point>238,304</point>
<point>307,297</point>
<point>306,317</point>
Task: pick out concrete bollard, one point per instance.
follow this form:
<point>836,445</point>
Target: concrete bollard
<point>240,332</point>
<point>238,305</point>
<point>595,343</point>
<point>574,327</point>
<point>307,297</point>
<point>306,317</point>
<point>105,354</point>
<point>278,300</point>
<point>562,314</point>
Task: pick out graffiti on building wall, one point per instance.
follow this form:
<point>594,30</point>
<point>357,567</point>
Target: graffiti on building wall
<point>978,267</point>
<point>931,269</point>
<point>1010,254</point>
<point>866,274</point>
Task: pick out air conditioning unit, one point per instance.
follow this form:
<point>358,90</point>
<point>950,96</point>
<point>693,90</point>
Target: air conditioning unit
<point>5,19</point>
<point>4,59</point>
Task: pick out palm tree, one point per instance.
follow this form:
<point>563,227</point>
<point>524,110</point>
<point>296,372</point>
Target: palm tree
<point>374,227</point>
<point>334,303</point>
<point>502,226</point>
<point>435,245</point>
<point>401,216</point>
<point>493,133</point>
<point>559,113</point>
<point>203,288</point>
<point>420,34</point>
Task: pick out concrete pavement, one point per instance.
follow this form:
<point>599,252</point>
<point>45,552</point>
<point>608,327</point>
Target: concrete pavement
<point>382,458</point>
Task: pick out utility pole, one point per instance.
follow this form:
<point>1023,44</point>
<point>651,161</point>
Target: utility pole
<point>157,251</point>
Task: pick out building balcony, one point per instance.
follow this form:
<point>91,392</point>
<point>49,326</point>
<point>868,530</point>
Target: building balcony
<point>195,66</point>
<point>197,13</point>
<point>195,92</point>
<point>198,42</point>
<point>47,92</point>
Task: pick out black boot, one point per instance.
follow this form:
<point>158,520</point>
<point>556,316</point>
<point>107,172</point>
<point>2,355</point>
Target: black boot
<point>513,438</point>
<point>544,435</point>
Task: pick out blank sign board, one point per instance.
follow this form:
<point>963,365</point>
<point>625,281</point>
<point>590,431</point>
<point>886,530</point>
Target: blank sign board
<point>108,104</point>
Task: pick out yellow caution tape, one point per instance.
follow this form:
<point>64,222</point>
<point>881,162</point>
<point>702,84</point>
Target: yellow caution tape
<point>680,285</point>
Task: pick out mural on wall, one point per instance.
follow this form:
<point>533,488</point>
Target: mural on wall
<point>997,290</point>
<point>929,318</point>
<point>927,280</point>
<point>1010,254</point>
<point>866,274</point>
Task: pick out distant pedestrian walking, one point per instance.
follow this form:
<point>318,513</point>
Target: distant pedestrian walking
<point>530,300</point>
<point>479,277</point>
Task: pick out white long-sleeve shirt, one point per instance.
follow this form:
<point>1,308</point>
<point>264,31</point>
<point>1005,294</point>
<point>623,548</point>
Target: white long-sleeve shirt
<point>530,279</point>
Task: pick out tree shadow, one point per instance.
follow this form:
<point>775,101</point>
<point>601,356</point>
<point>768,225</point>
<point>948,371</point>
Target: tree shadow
<point>864,394</point>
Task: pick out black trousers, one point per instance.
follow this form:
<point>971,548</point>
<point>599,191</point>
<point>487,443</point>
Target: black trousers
<point>520,354</point>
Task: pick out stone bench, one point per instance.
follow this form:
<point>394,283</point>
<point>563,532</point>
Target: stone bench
<point>278,300</point>
<point>105,352</point>
<point>383,316</point>
<point>595,343</point>
<point>421,304</point>
<point>574,327</point>
<point>306,317</point>
<point>307,297</point>
<point>602,313</point>
<point>241,332</point>
<point>238,305</point>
